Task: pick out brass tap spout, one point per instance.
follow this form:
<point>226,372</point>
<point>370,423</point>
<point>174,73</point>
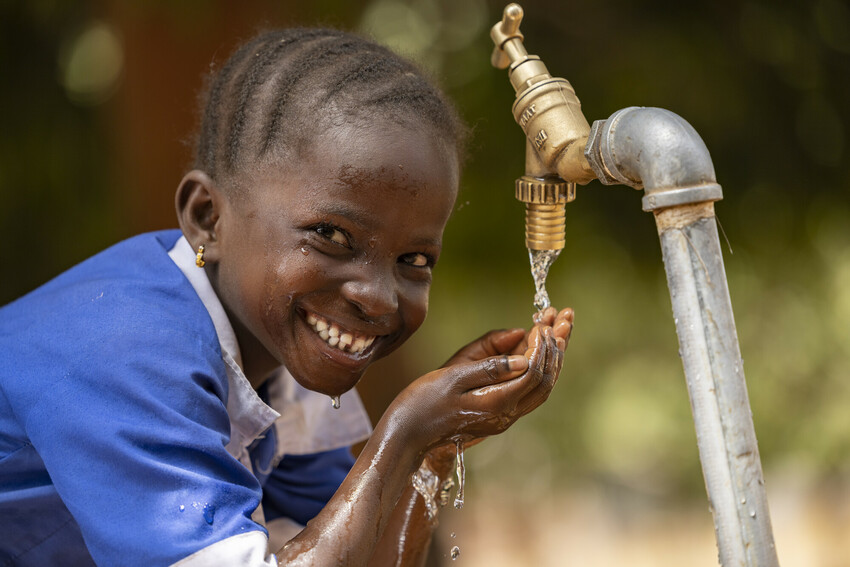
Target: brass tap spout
<point>549,112</point>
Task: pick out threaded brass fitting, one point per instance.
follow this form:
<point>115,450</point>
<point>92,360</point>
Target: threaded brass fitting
<point>545,199</point>
<point>545,226</point>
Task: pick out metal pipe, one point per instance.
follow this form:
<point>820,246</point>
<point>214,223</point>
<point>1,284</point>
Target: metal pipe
<point>658,150</point>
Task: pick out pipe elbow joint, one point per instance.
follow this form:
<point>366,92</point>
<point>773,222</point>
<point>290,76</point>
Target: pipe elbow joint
<point>653,149</point>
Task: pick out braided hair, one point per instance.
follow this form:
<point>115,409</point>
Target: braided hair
<point>278,87</point>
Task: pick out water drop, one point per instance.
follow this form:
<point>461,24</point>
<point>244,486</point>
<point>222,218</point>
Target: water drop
<point>335,402</point>
<point>455,552</point>
<point>453,535</point>
<point>541,261</point>
<point>209,513</point>
<point>182,508</point>
<point>305,251</point>
<point>752,513</point>
<point>461,475</point>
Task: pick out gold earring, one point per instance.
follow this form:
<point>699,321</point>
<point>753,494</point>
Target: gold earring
<point>199,257</point>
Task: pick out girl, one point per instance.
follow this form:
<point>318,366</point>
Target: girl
<point>146,417</point>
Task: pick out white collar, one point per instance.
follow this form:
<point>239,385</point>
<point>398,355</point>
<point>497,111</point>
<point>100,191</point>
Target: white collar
<point>249,415</point>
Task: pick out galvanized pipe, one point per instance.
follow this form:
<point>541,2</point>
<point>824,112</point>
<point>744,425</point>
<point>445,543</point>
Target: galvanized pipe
<point>658,150</point>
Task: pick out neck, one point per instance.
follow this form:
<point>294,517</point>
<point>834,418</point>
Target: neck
<point>257,362</point>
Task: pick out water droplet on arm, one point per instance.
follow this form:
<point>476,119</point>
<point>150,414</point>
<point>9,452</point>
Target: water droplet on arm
<point>335,402</point>
<point>455,552</point>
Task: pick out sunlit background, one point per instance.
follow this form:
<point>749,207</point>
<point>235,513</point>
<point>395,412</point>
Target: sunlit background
<point>98,108</point>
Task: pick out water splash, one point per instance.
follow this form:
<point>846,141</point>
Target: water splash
<point>335,402</point>
<point>455,552</point>
<point>426,482</point>
<point>541,261</point>
<point>461,475</point>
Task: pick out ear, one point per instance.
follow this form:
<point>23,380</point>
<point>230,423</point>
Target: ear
<point>199,206</point>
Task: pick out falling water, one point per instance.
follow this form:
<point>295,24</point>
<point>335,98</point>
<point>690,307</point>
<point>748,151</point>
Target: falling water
<point>541,261</point>
<point>461,475</point>
<point>335,402</point>
<point>455,552</point>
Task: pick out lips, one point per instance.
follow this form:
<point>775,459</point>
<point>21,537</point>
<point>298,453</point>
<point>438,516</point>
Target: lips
<point>337,336</point>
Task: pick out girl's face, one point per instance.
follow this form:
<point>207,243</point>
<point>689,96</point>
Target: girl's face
<point>326,266</point>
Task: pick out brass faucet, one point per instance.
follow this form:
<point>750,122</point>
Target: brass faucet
<point>549,112</point>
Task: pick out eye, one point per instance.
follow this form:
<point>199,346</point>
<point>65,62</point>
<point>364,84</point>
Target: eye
<point>333,233</point>
<point>418,260</point>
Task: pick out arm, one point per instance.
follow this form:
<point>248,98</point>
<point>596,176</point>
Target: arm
<point>407,538</point>
<point>468,401</point>
<point>408,535</point>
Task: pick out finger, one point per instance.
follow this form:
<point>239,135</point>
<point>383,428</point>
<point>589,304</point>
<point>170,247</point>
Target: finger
<point>511,391</point>
<point>489,371</point>
<point>545,317</point>
<point>549,377</point>
<point>563,323</point>
<point>490,344</point>
<point>533,340</point>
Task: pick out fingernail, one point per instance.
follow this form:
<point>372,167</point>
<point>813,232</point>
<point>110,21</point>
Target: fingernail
<point>517,362</point>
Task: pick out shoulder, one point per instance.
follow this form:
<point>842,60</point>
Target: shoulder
<point>127,311</point>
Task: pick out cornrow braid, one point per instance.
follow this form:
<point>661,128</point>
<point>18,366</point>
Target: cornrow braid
<point>273,90</point>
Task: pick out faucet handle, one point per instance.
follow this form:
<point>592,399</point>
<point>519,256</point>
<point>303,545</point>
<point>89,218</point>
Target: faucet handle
<point>505,31</point>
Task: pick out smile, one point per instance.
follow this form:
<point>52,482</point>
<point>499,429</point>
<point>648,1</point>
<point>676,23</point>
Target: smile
<point>338,337</point>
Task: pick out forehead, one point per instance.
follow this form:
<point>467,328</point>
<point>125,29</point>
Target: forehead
<point>369,170</point>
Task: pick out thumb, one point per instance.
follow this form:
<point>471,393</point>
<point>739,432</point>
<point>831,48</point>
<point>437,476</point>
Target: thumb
<point>489,371</point>
<point>491,344</point>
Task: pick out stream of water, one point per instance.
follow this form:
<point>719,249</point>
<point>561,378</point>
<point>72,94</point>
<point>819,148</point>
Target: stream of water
<point>541,261</point>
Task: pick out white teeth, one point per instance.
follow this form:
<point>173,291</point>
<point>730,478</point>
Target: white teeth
<point>339,338</point>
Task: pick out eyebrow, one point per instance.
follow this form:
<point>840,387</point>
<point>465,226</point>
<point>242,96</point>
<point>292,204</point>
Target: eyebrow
<point>342,210</point>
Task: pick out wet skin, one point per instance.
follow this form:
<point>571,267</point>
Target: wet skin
<point>349,237</point>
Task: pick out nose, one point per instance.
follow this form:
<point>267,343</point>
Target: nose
<point>374,292</point>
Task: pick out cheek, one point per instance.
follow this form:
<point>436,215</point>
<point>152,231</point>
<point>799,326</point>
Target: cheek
<point>283,280</point>
<point>417,306</point>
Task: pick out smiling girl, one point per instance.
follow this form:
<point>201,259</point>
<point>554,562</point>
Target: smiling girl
<point>166,401</point>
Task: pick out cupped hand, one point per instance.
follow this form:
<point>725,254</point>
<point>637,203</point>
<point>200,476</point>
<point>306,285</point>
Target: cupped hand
<point>489,384</point>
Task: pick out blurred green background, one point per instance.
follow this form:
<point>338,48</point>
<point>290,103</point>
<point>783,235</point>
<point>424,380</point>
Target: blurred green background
<point>98,104</point>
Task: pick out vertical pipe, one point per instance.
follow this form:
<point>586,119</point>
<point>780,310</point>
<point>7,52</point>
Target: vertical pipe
<point>708,344</point>
<point>659,151</point>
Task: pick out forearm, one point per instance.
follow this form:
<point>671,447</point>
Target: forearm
<point>345,532</point>
<point>407,537</point>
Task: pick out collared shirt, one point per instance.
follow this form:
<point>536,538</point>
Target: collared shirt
<point>304,422</point>
<point>129,434</point>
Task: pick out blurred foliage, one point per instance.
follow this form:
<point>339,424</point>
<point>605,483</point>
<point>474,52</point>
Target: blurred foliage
<point>764,83</point>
